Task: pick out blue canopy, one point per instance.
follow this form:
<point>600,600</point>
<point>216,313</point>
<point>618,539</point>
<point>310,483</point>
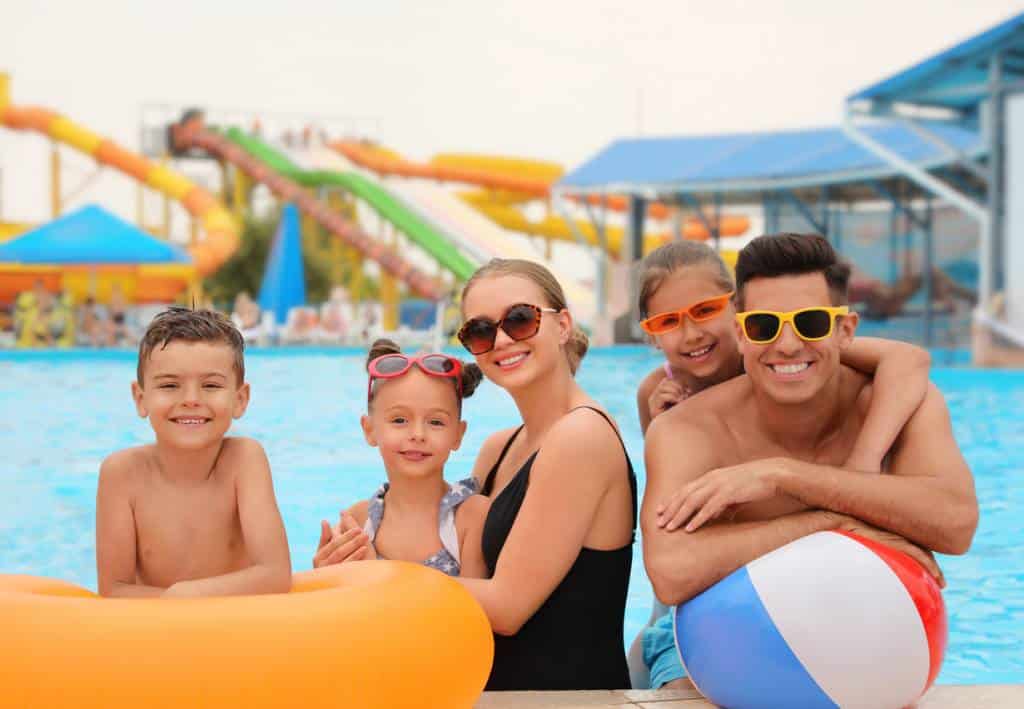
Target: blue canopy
<point>759,161</point>
<point>958,77</point>
<point>90,235</point>
<point>284,280</point>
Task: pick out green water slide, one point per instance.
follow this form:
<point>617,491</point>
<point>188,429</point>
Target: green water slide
<point>419,231</point>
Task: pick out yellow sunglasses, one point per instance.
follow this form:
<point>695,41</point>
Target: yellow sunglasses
<point>763,327</point>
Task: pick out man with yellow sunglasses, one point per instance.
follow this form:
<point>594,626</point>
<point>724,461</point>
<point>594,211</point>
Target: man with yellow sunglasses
<point>756,462</point>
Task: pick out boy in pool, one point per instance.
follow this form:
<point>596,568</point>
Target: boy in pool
<point>193,514</point>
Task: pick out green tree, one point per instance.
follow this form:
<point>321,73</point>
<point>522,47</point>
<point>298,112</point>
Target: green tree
<point>244,271</point>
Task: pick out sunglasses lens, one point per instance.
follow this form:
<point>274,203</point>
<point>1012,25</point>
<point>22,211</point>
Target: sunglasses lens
<point>520,322</point>
<point>391,364</point>
<point>478,335</point>
<point>663,323</point>
<point>707,310</point>
<point>813,324</point>
<point>761,327</point>
<point>438,364</point>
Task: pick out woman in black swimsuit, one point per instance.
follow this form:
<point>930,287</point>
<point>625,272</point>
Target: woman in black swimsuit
<point>558,538</point>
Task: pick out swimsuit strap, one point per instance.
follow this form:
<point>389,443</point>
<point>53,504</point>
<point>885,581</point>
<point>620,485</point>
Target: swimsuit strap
<point>375,512</point>
<point>629,463</point>
<point>456,495</point>
<point>488,486</point>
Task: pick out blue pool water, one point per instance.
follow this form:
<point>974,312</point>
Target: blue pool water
<point>63,412</point>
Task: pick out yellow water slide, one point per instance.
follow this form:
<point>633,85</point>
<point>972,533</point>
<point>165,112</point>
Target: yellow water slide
<point>220,238</point>
<point>509,182</point>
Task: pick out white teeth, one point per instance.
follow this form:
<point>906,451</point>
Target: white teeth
<point>790,368</point>
<point>699,353</point>
<point>190,421</point>
<point>511,360</point>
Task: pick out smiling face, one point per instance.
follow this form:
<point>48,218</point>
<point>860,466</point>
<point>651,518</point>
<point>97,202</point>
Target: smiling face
<point>515,364</point>
<point>790,370</point>
<point>414,420</point>
<point>705,350</point>
<point>190,393</point>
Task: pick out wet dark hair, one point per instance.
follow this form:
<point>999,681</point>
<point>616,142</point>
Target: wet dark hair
<point>187,325</point>
<point>471,374</point>
<point>665,260</point>
<point>774,255</point>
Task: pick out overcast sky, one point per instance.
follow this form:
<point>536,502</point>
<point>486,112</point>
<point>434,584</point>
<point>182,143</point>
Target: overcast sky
<point>548,79</point>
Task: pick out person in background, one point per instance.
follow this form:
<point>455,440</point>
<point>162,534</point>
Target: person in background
<point>92,323</point>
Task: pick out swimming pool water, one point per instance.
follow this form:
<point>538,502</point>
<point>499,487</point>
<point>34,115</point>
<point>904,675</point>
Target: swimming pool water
<point>63,412</point>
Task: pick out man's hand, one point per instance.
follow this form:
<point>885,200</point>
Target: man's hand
<point>718,491</point>
<point>893,541</point>
<point>667,394</point>
<point>337,546</point>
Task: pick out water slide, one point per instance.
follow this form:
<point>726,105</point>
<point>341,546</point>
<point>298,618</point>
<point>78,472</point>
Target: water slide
<point>510,181</point>
<point>220,232</point>
<point>475,233</point>
<point>265,165</point>
<point>419,231</point>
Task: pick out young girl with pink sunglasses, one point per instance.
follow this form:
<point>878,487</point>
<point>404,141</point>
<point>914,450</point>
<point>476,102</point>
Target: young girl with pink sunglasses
<point>414,418</point>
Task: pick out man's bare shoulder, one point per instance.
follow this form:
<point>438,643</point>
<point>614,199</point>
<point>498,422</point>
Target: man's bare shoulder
<point>712,407</point>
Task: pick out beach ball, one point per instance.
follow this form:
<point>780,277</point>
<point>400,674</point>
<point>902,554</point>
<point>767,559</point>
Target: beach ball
<point>830,620</point>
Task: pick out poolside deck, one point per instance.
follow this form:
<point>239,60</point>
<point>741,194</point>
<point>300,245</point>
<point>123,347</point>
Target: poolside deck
<point>1005,696</point>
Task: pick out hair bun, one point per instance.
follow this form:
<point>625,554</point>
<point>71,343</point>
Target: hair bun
<point>576,347</point>
<point>381,347</point>
<point>471,378</point>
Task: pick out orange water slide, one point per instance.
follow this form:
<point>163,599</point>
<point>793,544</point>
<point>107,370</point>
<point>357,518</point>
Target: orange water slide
<point>221,234</point>
<point>513,178</point>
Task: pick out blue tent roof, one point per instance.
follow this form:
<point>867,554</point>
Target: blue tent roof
<point>756,161</point>
<point>90,235</point>
<point>284,280</point>
<point>957,77</point>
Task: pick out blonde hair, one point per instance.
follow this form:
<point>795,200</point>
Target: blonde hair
<point>663,261</point>
<point>578,343</point>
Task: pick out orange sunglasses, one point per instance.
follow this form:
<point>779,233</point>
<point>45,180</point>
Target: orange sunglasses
<point>698,312</point>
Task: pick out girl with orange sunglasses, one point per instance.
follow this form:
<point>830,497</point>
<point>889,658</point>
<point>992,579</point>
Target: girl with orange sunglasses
<point>687,309</point>
<point>414,418</point>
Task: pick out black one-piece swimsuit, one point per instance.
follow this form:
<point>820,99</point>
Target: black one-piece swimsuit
<point>575,639</point>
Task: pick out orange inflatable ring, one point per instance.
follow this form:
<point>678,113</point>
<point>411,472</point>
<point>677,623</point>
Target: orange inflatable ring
<point>364,634</point>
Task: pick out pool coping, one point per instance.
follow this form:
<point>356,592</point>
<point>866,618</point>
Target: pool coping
<point>950,696</point>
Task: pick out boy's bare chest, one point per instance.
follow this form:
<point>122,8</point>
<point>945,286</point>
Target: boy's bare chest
<point>185,533</point>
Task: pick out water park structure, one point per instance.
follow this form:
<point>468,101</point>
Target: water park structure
<point>215,234</point>
<point>920,182</point>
